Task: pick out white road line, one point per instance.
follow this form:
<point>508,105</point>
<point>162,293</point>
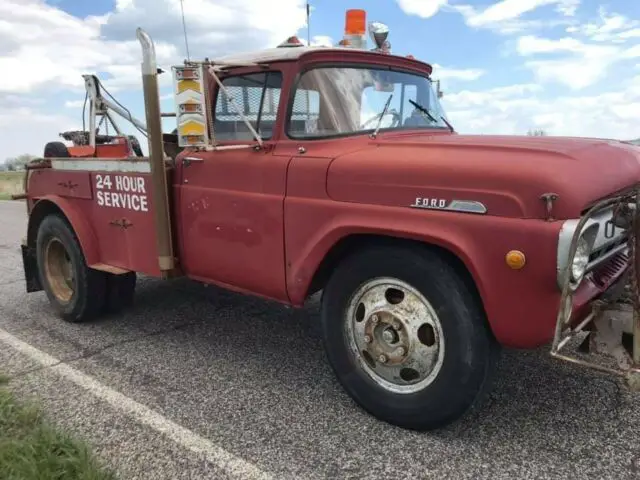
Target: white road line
<point>231,464</point>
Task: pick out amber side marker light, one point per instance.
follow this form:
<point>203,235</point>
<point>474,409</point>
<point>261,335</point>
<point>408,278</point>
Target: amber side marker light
<point>515,259</point>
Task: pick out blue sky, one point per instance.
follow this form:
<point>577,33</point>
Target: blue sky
<point>571,67</point>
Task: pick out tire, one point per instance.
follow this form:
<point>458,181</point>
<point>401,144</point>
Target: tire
<point>76,291</point>
<point>56,150</point>
<point>120,292</point>
<point>415,389</point>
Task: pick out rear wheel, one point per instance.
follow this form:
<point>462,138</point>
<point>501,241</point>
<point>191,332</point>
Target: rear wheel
<point>76,291</point>
<point>406,338</point>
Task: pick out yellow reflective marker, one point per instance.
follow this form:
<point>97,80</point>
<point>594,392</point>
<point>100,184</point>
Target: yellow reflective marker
<point>515,259</point>
<point>185,85</point>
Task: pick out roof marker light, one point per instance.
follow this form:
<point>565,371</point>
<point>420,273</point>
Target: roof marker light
<point>356,22</point>
<point>292,41</point>
<point>355,28</point>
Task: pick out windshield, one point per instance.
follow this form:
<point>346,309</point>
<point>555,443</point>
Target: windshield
<point>337,101</point>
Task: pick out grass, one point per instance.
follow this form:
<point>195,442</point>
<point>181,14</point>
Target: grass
<point>10,183</point>
<point>32,449</point>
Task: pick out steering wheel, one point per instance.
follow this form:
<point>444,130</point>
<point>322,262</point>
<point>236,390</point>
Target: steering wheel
<point>392,112</point>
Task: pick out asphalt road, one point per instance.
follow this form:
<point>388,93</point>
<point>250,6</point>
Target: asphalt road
<point>227,386</point>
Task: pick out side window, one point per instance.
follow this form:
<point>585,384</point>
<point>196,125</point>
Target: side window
<point>256,96</point>
<point>306,109</point>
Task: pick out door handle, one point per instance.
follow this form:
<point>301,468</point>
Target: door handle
<point>188,160</point>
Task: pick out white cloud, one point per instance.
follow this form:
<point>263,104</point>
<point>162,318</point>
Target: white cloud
<point>609,27</point>
<point>318,41</point>
<point>74,103</point>
<point>321,41</point>
<point>26,130</point>
<point>34,37</point>
<point>51,49</point>
<point>583,65</point>
<point>530,44</point>
<point>214,27</point>
<point>421,8</point>
<point>462,74</point>
<point>516,109</point>
<point>505,16</point>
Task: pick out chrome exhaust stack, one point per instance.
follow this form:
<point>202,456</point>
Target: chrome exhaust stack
<point>156,153</point>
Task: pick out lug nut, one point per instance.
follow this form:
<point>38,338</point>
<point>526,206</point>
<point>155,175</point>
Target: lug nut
<point>382,359</point>
<point>367,339</point>
<point>397,325</point>
<point>375,318</point>
<point>402,351</point>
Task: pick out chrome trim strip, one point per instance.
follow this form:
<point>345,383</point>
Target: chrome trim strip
<point>464,206</point>
<point>98,165</point>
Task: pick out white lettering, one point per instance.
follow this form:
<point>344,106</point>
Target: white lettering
<point>430,202</point>
<point>136,200</point>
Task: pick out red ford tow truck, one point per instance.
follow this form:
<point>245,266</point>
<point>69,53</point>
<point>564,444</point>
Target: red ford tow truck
<point>297,170</point>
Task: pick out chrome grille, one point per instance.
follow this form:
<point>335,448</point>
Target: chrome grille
<point>607,271</point>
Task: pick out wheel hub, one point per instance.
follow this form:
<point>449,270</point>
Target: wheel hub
<point>396,335</point>
<point>59,270</point>
<point>386,341</point>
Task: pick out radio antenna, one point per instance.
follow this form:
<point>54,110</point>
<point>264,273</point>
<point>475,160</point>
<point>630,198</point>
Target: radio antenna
<point>308,25</point>
<point>184,28</point>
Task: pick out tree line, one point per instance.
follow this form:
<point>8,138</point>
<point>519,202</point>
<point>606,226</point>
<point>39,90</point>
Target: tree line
<point>16,163</point>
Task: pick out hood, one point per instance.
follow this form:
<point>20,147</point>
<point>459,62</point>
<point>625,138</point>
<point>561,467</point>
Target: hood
<point>507,174</point>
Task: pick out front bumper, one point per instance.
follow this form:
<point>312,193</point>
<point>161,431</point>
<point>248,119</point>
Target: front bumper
<point>611,320</point>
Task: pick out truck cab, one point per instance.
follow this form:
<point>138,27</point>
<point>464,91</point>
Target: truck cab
<point>296,170</point>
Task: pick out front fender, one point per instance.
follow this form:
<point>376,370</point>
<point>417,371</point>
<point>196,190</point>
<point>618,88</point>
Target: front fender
<point>480,242</point>
<point>48,204</point>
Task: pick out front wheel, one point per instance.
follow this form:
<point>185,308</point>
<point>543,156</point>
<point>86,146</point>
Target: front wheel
<point>406,338</point>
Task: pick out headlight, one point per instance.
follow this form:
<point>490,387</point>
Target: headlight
<point>580,260</point>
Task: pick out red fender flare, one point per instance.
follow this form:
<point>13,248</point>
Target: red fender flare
<point>78,221</point>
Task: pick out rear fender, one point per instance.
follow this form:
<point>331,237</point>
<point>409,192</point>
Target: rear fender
<point>84,232</point>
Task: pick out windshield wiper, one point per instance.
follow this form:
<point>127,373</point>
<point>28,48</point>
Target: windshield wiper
<point>423,110</point>
<point>382,114</point>
<point>447,122</point>
<point>428,114</point>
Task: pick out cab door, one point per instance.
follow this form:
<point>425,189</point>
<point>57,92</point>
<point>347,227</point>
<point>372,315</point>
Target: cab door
<point>231,201</point>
